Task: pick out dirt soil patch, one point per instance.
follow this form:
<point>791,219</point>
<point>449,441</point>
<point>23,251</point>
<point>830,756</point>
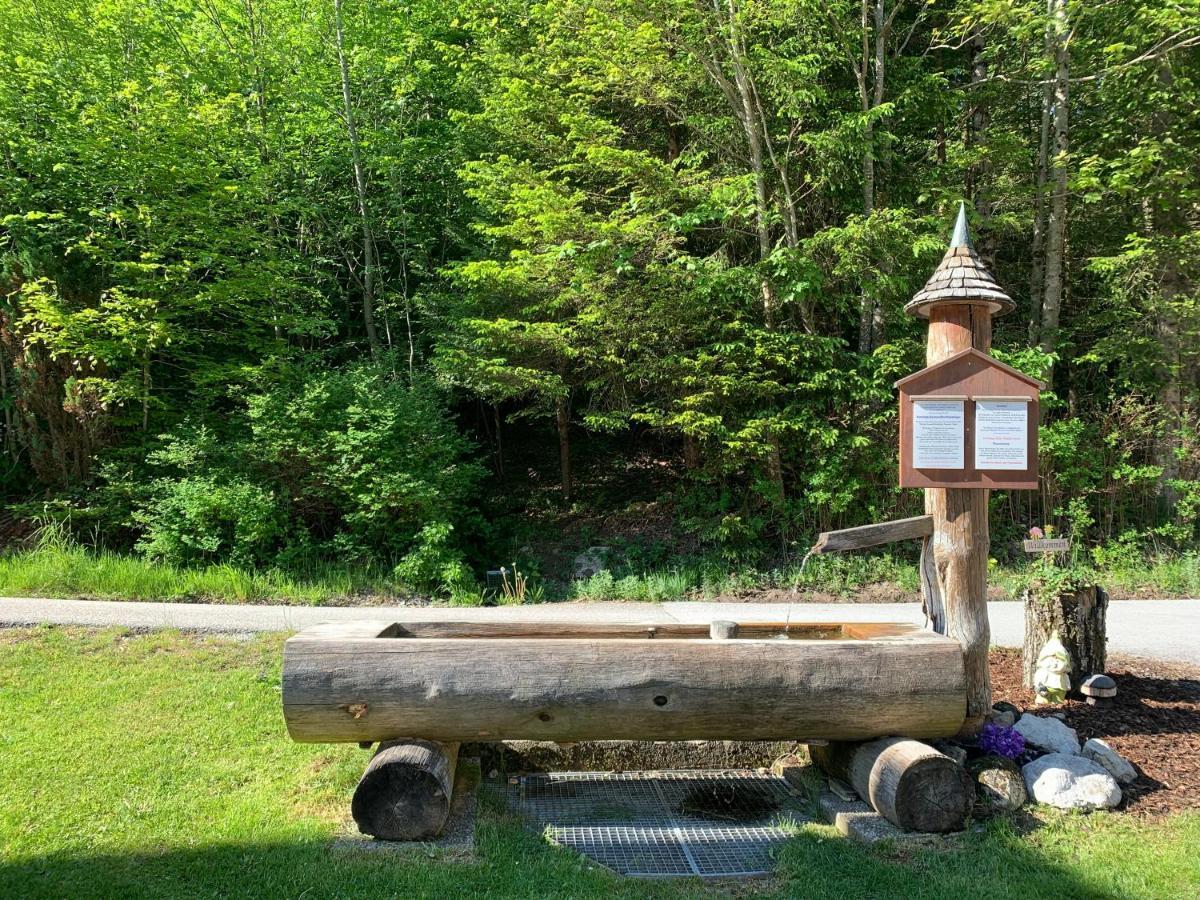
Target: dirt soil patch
<point>1154,722</point>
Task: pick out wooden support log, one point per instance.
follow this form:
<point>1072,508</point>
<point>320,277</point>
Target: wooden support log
<point>907,782</point>
<point>1079,618</point>
<point>961,537</point>
<point>873,535</point>
<point>405,793</point>
<point>931,589</point>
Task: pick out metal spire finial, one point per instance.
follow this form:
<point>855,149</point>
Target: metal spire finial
<point>961,236</point>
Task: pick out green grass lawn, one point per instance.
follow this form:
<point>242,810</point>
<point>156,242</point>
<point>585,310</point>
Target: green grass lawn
<point>157,765</point>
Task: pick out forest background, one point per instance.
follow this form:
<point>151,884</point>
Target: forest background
<point>419,289</point>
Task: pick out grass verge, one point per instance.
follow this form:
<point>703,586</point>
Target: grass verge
<point>70,570</point>
<point>63,568</point>
<point>157,766</point>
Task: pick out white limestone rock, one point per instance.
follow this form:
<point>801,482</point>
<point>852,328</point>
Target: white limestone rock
<point>1109,759</point>
<point>1048,734</point>
<point>1068,781</point>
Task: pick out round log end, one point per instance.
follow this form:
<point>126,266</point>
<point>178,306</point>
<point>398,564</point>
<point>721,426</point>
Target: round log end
<point>404,795</point>
<point>934,795</point>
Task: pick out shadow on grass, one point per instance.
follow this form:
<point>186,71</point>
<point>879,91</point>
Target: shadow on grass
<point>995,863</point>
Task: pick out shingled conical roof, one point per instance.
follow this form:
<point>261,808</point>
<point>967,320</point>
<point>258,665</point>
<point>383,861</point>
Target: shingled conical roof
<point>960,278</point>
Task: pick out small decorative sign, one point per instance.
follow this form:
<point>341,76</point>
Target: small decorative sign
<point>1048,545</point>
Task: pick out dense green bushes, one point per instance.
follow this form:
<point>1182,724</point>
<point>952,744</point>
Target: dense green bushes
<point>353,463</point>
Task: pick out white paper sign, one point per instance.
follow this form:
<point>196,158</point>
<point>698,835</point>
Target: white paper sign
<point>938,434</point>
<point>1001,434</point>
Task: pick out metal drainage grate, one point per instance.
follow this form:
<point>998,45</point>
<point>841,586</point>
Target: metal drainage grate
<point>706,823</point>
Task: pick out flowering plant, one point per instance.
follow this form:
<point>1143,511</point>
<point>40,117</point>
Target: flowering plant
<point>1001,741</point>
<point>1036,533</point>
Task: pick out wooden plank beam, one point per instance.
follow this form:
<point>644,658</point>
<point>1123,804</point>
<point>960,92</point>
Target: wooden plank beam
<point>873,535</point>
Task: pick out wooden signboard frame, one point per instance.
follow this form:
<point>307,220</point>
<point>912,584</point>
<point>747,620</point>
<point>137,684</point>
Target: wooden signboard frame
<point>969,376</point>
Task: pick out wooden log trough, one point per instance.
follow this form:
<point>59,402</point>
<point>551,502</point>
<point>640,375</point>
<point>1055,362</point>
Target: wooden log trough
<point>496,681</point>
<point>422,688</point>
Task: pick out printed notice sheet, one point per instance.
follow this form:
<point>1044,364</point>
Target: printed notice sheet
<point>938,434</point>
<point>1001,434</point>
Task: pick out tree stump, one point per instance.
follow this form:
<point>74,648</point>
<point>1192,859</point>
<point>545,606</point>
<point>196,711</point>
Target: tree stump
<point>909,783</point>
<point>405,793</point>
<point>1079,618</point>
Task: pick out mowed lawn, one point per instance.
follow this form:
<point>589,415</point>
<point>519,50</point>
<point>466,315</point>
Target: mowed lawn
<point>157,765</point>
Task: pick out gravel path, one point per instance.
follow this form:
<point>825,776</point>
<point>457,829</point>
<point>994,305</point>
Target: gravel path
<point>1157,629</point>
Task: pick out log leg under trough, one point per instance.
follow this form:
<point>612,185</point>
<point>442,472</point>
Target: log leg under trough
<point>404,795</point>
<point>907,782</point>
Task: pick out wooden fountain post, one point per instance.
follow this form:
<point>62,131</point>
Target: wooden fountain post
<point>959,300</point>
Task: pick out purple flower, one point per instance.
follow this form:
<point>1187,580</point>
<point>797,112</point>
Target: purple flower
<point>1001,741</point>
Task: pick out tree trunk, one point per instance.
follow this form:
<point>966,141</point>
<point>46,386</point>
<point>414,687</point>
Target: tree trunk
<point>405,793</point>
<point>1169,222</point>
<point>691,453</point>
<point>909,783</point>
<point>980,170</point>
<point>1037,271</point>
<point>360,187</point>
<point>1056,225</point>
<point>562,419</point>
<point>1079,618</point>
<point>961,536</point>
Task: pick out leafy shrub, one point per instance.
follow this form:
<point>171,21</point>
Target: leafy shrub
<point>207,518</point>
<point>354,463</point>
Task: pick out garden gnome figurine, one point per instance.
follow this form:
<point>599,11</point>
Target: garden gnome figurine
<point>1051,679</point>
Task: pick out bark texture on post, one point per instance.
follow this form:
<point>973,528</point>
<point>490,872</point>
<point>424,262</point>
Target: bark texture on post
<point>909,783</point>
<point>405,793</point>
<point>961,536</point>
<point>1079,617</point>
<point>959,300</point>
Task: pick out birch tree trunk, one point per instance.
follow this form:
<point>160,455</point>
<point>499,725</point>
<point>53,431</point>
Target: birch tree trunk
<point>1056,224</point>
<point>360,186</point>
<point>1037,271</point>
<point>871,92</point>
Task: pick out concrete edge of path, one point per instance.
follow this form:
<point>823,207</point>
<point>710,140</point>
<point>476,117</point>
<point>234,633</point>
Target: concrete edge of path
<point>1161,629</point>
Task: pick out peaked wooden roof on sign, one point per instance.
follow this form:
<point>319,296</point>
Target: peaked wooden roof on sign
<point>983,357</point>
<point>961,277</point>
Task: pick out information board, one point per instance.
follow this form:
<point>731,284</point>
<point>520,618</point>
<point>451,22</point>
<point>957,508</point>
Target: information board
<point>939,434</point>
<point>1002,434</point>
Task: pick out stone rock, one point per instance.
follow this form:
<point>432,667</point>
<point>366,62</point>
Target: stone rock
<point>590,562</point>
<point>1110,760</point>
<point>1068,781</point>
<point>1048,734</point>
<point>952,750</point>
<point>1005,714</point>
<point>999,784</point>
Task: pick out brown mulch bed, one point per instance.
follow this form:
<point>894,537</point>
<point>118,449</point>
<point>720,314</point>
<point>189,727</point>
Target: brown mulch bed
<point>1154,723</point>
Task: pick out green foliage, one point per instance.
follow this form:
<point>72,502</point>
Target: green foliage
<point>687,225</point>
<point>353,463</point>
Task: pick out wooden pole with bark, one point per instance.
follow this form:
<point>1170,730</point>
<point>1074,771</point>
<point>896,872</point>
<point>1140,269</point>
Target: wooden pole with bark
<point>959,300</point>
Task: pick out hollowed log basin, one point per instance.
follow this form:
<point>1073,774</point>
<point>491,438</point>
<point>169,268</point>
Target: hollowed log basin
<point>494,681</point>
